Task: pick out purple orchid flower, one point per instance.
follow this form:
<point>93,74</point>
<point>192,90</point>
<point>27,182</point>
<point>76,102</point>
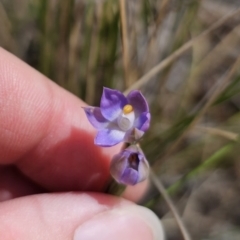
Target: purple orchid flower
<point>130,166</point>
<point>119,118</point>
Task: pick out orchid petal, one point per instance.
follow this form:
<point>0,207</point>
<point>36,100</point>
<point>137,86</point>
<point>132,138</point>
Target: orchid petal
<point>95,117</point>
<point>143,121</point>
<point>112,103</point>
<point>118,165</point>
<point>137,100</point>
<point>143,169</point>
<point>129,177</point>
<point>109,137</point>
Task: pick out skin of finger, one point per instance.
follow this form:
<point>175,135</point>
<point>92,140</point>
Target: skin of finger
<point>45,132</point>
<point>136,192</point>
<point>14,184</point>
<point>114,225</point>
<point>56,216</point>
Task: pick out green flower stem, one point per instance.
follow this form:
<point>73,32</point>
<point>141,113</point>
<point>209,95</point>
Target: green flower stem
<point>115,188</point>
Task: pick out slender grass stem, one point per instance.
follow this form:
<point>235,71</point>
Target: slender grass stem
<point>171,206</point>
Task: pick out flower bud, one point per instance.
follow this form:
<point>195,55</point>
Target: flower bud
<point>130,166</point>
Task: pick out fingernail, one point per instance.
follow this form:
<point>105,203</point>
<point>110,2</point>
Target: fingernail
<point>126,222</point>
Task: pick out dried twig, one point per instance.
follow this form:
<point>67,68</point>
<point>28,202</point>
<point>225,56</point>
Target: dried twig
<point>219,132</point>
<point>170,204</point>
<point>122,4</point>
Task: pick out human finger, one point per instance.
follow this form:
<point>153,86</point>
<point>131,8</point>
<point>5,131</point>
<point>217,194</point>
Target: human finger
<point>77,216</point>
<point>45,133</point>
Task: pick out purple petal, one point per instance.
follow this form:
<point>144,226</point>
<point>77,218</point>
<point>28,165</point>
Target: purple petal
<point>118,165</point>
<point>137,100</point>
<point>129,177</point>
<point>121,171</point>
<point>143,169</point>
<point>95,117</point>
<point>109,137</point>
<point>112,103</point>
<point>143,121</point>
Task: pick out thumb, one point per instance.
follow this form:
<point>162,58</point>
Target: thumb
<point>77,216</point>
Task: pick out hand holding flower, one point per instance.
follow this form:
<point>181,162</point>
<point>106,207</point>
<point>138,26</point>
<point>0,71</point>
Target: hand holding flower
<point>46,150</point>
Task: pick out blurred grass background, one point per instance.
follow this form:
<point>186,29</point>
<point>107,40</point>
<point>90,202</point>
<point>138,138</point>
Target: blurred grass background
<point>184,56</point>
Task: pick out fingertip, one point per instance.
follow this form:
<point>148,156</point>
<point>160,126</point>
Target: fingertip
<point>126,222</point>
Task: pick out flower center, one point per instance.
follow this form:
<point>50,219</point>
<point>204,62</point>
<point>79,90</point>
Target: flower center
<point>126,119</point>
<point>127,109</point>
<point>133,161</point>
